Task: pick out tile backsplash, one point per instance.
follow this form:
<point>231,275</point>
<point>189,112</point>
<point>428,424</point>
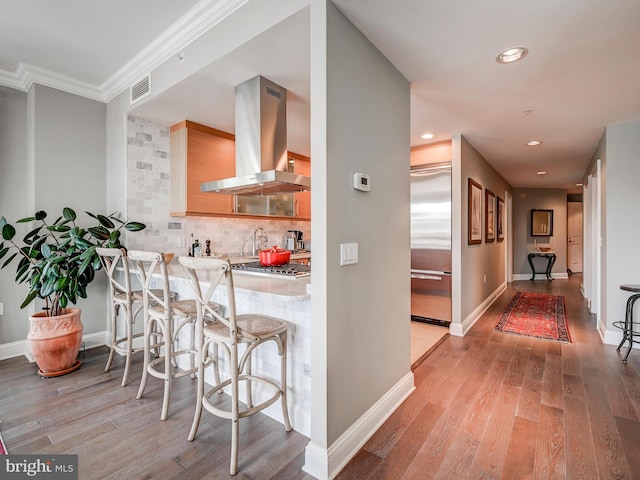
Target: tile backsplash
<point>148,186</point>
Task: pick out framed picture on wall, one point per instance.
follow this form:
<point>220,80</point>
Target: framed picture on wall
<point>475,212</point>
<point>500,225</point>
<point>490,216</point>
<point>541,223</point>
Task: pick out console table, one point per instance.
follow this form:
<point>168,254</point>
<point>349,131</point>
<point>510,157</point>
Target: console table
<point>551,259</point>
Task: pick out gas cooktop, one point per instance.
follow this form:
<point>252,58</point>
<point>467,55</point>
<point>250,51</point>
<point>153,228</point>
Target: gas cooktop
<point>290,270</point>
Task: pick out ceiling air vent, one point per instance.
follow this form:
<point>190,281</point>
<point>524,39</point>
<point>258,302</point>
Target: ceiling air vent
<point>140,89</point>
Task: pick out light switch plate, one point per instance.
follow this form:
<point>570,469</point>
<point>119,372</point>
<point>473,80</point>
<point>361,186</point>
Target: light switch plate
<point>348,253</point>
<point>1,308</point>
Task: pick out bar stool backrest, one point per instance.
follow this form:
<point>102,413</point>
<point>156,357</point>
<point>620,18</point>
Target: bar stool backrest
<point>147,266</point>
<point>112,259</point>
<point>218,271</point>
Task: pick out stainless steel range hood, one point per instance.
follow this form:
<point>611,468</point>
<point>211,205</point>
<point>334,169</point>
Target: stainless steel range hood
<point>261,144</point>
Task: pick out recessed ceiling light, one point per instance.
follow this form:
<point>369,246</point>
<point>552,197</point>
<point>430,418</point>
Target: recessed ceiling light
<point>511,55</point>
<point>427,136</point>
<point>579,184</point>
<point>534,143</point>
<point>541,172</point>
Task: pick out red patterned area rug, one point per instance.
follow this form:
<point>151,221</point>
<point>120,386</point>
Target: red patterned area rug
<point>3,449</point>
<point>536,315</point>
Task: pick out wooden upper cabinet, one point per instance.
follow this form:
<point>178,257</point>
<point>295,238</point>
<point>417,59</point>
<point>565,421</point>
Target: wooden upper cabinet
<point>302,166</point>
<point>431,153</point>
<point>200,154</point>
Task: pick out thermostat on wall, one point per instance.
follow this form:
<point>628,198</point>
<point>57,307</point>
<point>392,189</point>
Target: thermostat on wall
<point>362,182</point>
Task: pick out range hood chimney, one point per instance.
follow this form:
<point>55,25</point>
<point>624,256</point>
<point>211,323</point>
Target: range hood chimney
<point>261,144</point>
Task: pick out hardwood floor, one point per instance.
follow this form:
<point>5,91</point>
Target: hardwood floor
<point>115,436</point>
<point>489,405</point>
<point>498,406</point>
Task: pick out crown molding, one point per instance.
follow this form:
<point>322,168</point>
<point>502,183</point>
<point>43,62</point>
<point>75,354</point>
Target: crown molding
<point>197,21</point>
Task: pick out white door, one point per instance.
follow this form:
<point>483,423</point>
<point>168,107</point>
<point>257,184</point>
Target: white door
<point>574,236</point>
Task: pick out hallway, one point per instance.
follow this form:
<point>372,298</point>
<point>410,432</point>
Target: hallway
<point>498,406</point>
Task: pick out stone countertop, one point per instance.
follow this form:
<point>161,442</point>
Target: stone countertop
<point>292,288</point>
<point>236,258</point>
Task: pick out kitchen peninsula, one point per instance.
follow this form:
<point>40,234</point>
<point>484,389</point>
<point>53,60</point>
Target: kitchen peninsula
<point>287,299</point>
<point>148,199</point>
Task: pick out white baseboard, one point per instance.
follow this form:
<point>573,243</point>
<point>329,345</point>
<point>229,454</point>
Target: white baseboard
<point>460,329</point>
<point>325,464</point>
<point>539,276</point>
<point>614,337</point>
<point>13,349</point>
<point>21,347</point>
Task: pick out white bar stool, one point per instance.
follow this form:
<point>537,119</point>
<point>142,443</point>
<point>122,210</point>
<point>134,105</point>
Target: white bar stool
<point>163,318</point>
<point>226,333</point>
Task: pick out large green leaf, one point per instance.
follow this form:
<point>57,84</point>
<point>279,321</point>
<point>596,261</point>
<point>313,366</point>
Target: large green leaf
<point>29,298</point>
<point>37,242</point>
<point>46,288</point>
<point>3,250</point>
<point>8,261</point>
<point>89,252</point>
<point>114,237</point>
<point>26,220</point>
<point>58,258</point>
<point>61,284</point>
<point>100,232</point>
<point>135,226</point>
<point>59,227</point>
<point>46,250</point>
<point>23,271</point>
<point>105,221</point>
<point>8,232</point>
<point>68,213</point>
<point>32,233</point>
<point>83,266</point>
<point>41,215</point>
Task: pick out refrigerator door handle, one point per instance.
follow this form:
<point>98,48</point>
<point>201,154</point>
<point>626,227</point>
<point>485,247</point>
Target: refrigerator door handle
<point>425,277</point>
<point>426,274</point>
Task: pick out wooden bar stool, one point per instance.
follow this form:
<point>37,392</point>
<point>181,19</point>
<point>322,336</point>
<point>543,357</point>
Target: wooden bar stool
<point>227,332</point>
<point>628,324</point>
<point>164,319</point>
<point>123,298</point>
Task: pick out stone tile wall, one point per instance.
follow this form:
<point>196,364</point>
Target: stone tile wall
<point>148,185</point>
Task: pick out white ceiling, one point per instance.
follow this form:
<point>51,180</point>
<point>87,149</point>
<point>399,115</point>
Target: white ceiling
<point>581,74</point>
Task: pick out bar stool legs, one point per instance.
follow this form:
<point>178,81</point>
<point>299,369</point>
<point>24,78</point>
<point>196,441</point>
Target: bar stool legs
<point>628,325</point>
<point>225,334</point>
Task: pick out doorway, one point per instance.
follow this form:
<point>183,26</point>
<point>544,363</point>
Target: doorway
<point>574,237</point>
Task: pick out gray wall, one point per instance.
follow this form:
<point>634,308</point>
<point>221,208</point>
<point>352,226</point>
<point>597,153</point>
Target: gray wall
<point>13,203</point>
<point>525,199</point>
<point>55,157</point>
<point>620,230</point>
<point>70,169</point>
<point>360,322</point>
<point>484,258</point>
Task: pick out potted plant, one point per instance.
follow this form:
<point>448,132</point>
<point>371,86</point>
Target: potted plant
<point>58,260</point>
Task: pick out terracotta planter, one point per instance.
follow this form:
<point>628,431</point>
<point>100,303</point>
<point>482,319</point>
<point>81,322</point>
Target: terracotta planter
<point>55,342</point>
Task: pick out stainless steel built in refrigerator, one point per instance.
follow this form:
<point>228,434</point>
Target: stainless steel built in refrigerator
<point>431,243</point>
